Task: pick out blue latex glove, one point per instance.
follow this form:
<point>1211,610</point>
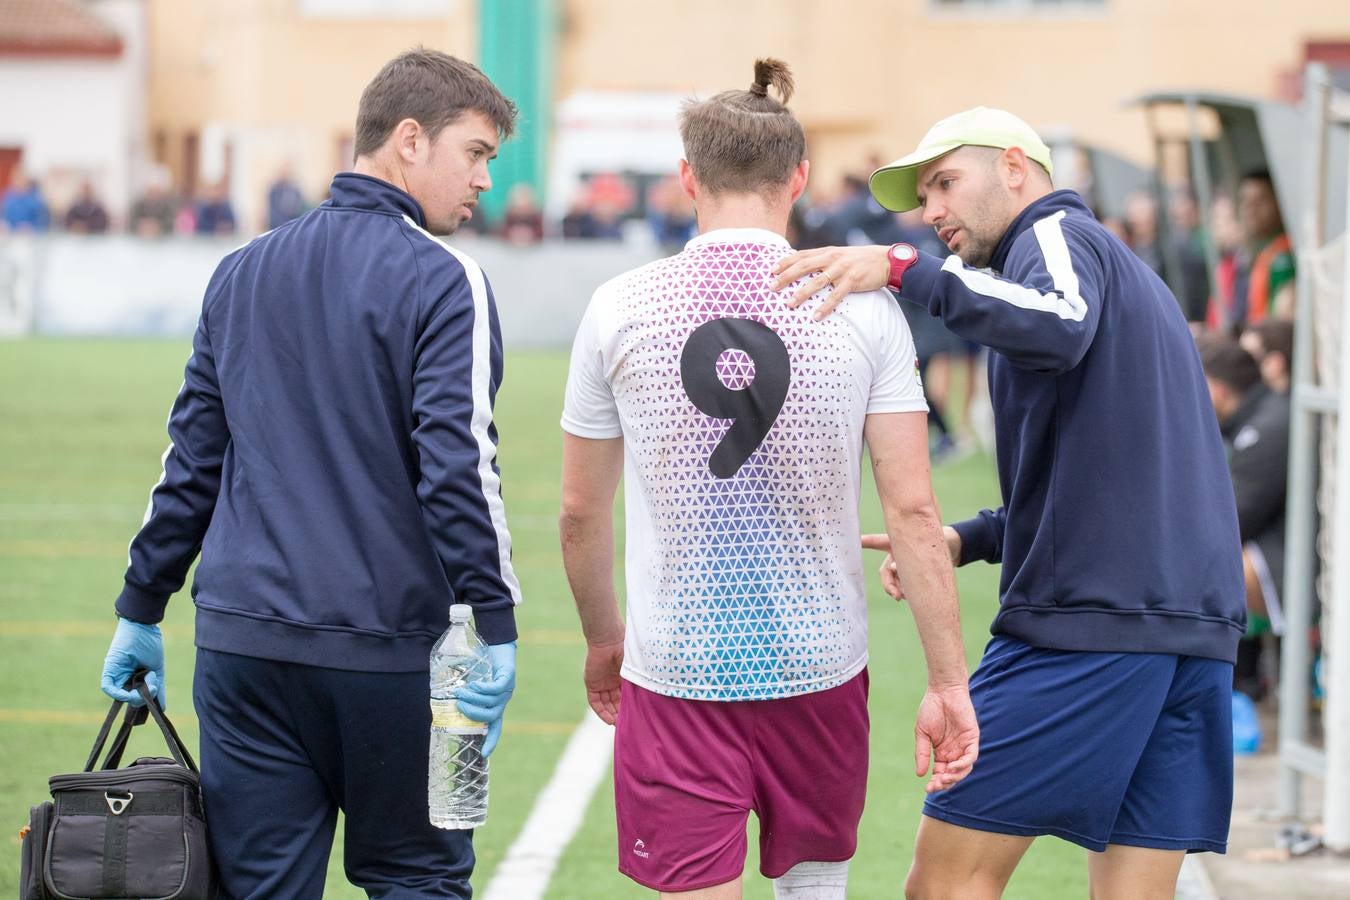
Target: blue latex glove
<point>485,701</point>
<point>135,645</point>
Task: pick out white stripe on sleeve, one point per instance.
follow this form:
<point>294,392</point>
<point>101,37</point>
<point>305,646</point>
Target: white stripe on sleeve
<point>482,411</point>
<point>1068,303</point>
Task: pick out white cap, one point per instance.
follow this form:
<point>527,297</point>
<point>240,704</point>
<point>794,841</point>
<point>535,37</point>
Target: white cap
<point>896,185</point>
<point>461,612</point>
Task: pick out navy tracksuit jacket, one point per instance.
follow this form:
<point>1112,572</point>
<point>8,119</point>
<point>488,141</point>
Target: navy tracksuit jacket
<point>333,455</point>
<point>333,459</point>
<point>1118,530</point>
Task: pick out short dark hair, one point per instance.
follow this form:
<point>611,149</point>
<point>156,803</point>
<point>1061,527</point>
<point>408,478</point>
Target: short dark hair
<point>1225,360</point>
<point>1277,336</point>
<point>744,141</point>
<point>1261,174</point>
<point>432,88</point>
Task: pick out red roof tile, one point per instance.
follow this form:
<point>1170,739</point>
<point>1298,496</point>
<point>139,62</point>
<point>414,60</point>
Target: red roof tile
<point>54,28</point>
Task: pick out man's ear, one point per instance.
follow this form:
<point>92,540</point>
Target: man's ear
<point>1013,165</point>
<point>687,182</point>
<point>799,178</point>
<point>407,139</point>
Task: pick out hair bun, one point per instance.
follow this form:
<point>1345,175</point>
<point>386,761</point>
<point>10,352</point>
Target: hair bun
<point>771,72</point>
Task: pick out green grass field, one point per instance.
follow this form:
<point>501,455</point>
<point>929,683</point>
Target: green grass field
<point>81,433</point>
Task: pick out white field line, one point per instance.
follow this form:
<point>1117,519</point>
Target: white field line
<point>527,868</point>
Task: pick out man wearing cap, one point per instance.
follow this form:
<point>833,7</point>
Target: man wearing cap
<point>1103,697</point>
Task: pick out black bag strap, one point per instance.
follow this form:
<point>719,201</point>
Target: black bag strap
<point>135,715</point>
<point>176,745</point>
<point>102,736</point>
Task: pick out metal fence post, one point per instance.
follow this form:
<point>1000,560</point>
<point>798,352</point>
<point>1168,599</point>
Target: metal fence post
<point>1336,631</point>
<point>1297,594</point>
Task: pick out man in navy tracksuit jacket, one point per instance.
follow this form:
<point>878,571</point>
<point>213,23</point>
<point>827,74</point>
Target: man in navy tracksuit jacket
<point>333,460</point>
<point>1103,698</point>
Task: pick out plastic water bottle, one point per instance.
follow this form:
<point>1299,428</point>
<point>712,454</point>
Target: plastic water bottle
<point>457,776</point>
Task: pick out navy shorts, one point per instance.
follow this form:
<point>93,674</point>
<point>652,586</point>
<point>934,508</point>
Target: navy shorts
<point>1099,748</point>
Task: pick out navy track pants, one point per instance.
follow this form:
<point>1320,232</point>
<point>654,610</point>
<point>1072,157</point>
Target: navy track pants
<point>285,746</point>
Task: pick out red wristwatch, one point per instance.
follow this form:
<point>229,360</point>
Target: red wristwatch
<point>901,257</point>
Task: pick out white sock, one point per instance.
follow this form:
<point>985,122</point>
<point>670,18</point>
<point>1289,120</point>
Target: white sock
<point>812,881</point>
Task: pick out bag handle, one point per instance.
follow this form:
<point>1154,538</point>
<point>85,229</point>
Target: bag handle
<point>136,715</point>
<point>176,745</point>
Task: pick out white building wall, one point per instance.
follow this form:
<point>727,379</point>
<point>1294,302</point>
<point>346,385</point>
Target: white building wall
<point>69,117</point>
<point>129,18</point>
<point>82,117</point>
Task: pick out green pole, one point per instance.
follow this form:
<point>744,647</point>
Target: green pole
<point>516,45</point>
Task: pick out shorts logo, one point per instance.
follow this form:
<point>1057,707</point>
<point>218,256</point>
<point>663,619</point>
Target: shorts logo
<point>639,849</point>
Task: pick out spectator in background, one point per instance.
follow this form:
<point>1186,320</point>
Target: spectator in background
<point>934,345</point>
<point>214,214</point>
<point>152,214</point>
<point>670,213</point>
<point>940,351</point>
<point>22,206</point>
<point>1224,307</point>
<point>87,215</point>
<point>1254,421</point>
<point>285,201</point>
<point>607,221</point>
<point>611,198</point>
<point>1271,344</point>
<point>808,220</point>
<point>1140,222</point>
<point>522,221</point>
<point>1266,282</point>
<point>856,218</point>
<point>578,223</point>
<point>1115,225</point>
<point>1191,284</point>
<point>803,229</point>
<point>185,218</point>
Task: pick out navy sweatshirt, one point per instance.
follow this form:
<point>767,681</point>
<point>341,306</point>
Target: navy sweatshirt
<point>1118,530</point>
<point>333,454</point>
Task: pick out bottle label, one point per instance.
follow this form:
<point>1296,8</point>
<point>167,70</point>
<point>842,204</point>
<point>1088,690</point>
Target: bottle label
<point>445,716</point>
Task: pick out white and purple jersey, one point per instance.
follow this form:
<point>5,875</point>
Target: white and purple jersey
<point>742,423</point>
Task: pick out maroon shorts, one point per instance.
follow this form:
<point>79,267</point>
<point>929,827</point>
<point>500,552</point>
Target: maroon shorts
<point>688,772</point>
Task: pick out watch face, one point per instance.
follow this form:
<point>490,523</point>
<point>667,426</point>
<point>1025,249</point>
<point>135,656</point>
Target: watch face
<point>902,252</point>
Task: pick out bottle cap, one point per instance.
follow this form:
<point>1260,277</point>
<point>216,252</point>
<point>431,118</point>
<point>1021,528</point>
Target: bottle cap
<point>460,612</point>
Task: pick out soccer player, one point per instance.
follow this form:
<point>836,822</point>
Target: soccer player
<point>740,680</point>
<point>333,459</point>
<point>1103,697</point>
